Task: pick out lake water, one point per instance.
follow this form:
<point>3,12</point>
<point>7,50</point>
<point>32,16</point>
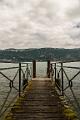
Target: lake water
<point>41,72</point>
<point>74,93</point>
<point>5,91</point>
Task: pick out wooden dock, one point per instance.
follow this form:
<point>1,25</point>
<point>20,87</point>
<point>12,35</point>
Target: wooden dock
<point>40,101</point>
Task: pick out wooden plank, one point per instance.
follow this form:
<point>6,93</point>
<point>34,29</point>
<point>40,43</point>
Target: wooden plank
<point>41,102</point>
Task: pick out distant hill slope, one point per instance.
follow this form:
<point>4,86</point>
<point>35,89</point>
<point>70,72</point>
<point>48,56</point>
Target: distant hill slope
<point>41,54</point>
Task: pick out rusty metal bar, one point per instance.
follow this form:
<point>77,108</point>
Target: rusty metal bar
<point>51,72</point>
<point>62,78</point>
<point>27,71</point>
<point>19,79</point>
<point>9,68</point>
<point>55,72</point>
<point>48,68</point>
<point>5,76</point>
<point>69,67</point>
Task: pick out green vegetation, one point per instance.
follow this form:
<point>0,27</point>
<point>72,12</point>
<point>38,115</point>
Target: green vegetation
<point>41,54</point>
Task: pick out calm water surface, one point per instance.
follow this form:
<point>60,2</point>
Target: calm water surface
<point>41,72</point>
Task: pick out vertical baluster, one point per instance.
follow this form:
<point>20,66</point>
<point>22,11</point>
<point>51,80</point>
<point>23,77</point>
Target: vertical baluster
<point>62,78</point>
<point>51,72</point>
<point>19,79</point>
<point>27,68</point>
<point>55,72</point>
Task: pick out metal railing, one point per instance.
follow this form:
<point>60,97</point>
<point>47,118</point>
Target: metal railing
<point>12,83</point>
<point>15,79</point>
<point>67,81</point>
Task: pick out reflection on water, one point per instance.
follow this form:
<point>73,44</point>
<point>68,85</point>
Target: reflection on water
<point>41,68</point>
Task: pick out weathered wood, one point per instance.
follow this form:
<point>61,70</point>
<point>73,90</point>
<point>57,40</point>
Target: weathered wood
<point>34,69</point>
<point>40,102</point>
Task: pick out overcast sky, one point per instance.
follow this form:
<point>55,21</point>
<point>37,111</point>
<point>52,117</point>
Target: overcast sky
<point>39,23</point>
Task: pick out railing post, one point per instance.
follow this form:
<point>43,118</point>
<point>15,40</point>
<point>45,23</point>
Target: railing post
<point>48,68</point>
<point>62,79</point>
<point>55,72</point>
<point>27,72</point>
<point>19,79</point>
<point>34,69</point>
<point>51,72</point>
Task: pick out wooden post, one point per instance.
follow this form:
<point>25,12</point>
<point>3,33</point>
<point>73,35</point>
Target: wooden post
<point>34,69</point>
<point>48,68</point>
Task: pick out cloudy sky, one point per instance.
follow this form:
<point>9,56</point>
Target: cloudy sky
<point>39,23</point>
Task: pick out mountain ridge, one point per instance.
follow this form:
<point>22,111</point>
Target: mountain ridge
<point>39,54</point>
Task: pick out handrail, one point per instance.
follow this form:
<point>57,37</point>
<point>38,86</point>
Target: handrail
<point>10,68</point>
<point>22,70</point>
<point>60,76</point>
<point>69,67</point>
<point>23,73</point>
<point>65,61</point>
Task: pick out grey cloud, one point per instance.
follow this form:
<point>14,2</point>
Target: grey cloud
<point>33,23</point>
<point>74,33</point>
<point>74,12</point>
<point>40,36</point>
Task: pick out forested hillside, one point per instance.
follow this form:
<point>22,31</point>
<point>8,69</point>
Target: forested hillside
<point>41,54</point>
